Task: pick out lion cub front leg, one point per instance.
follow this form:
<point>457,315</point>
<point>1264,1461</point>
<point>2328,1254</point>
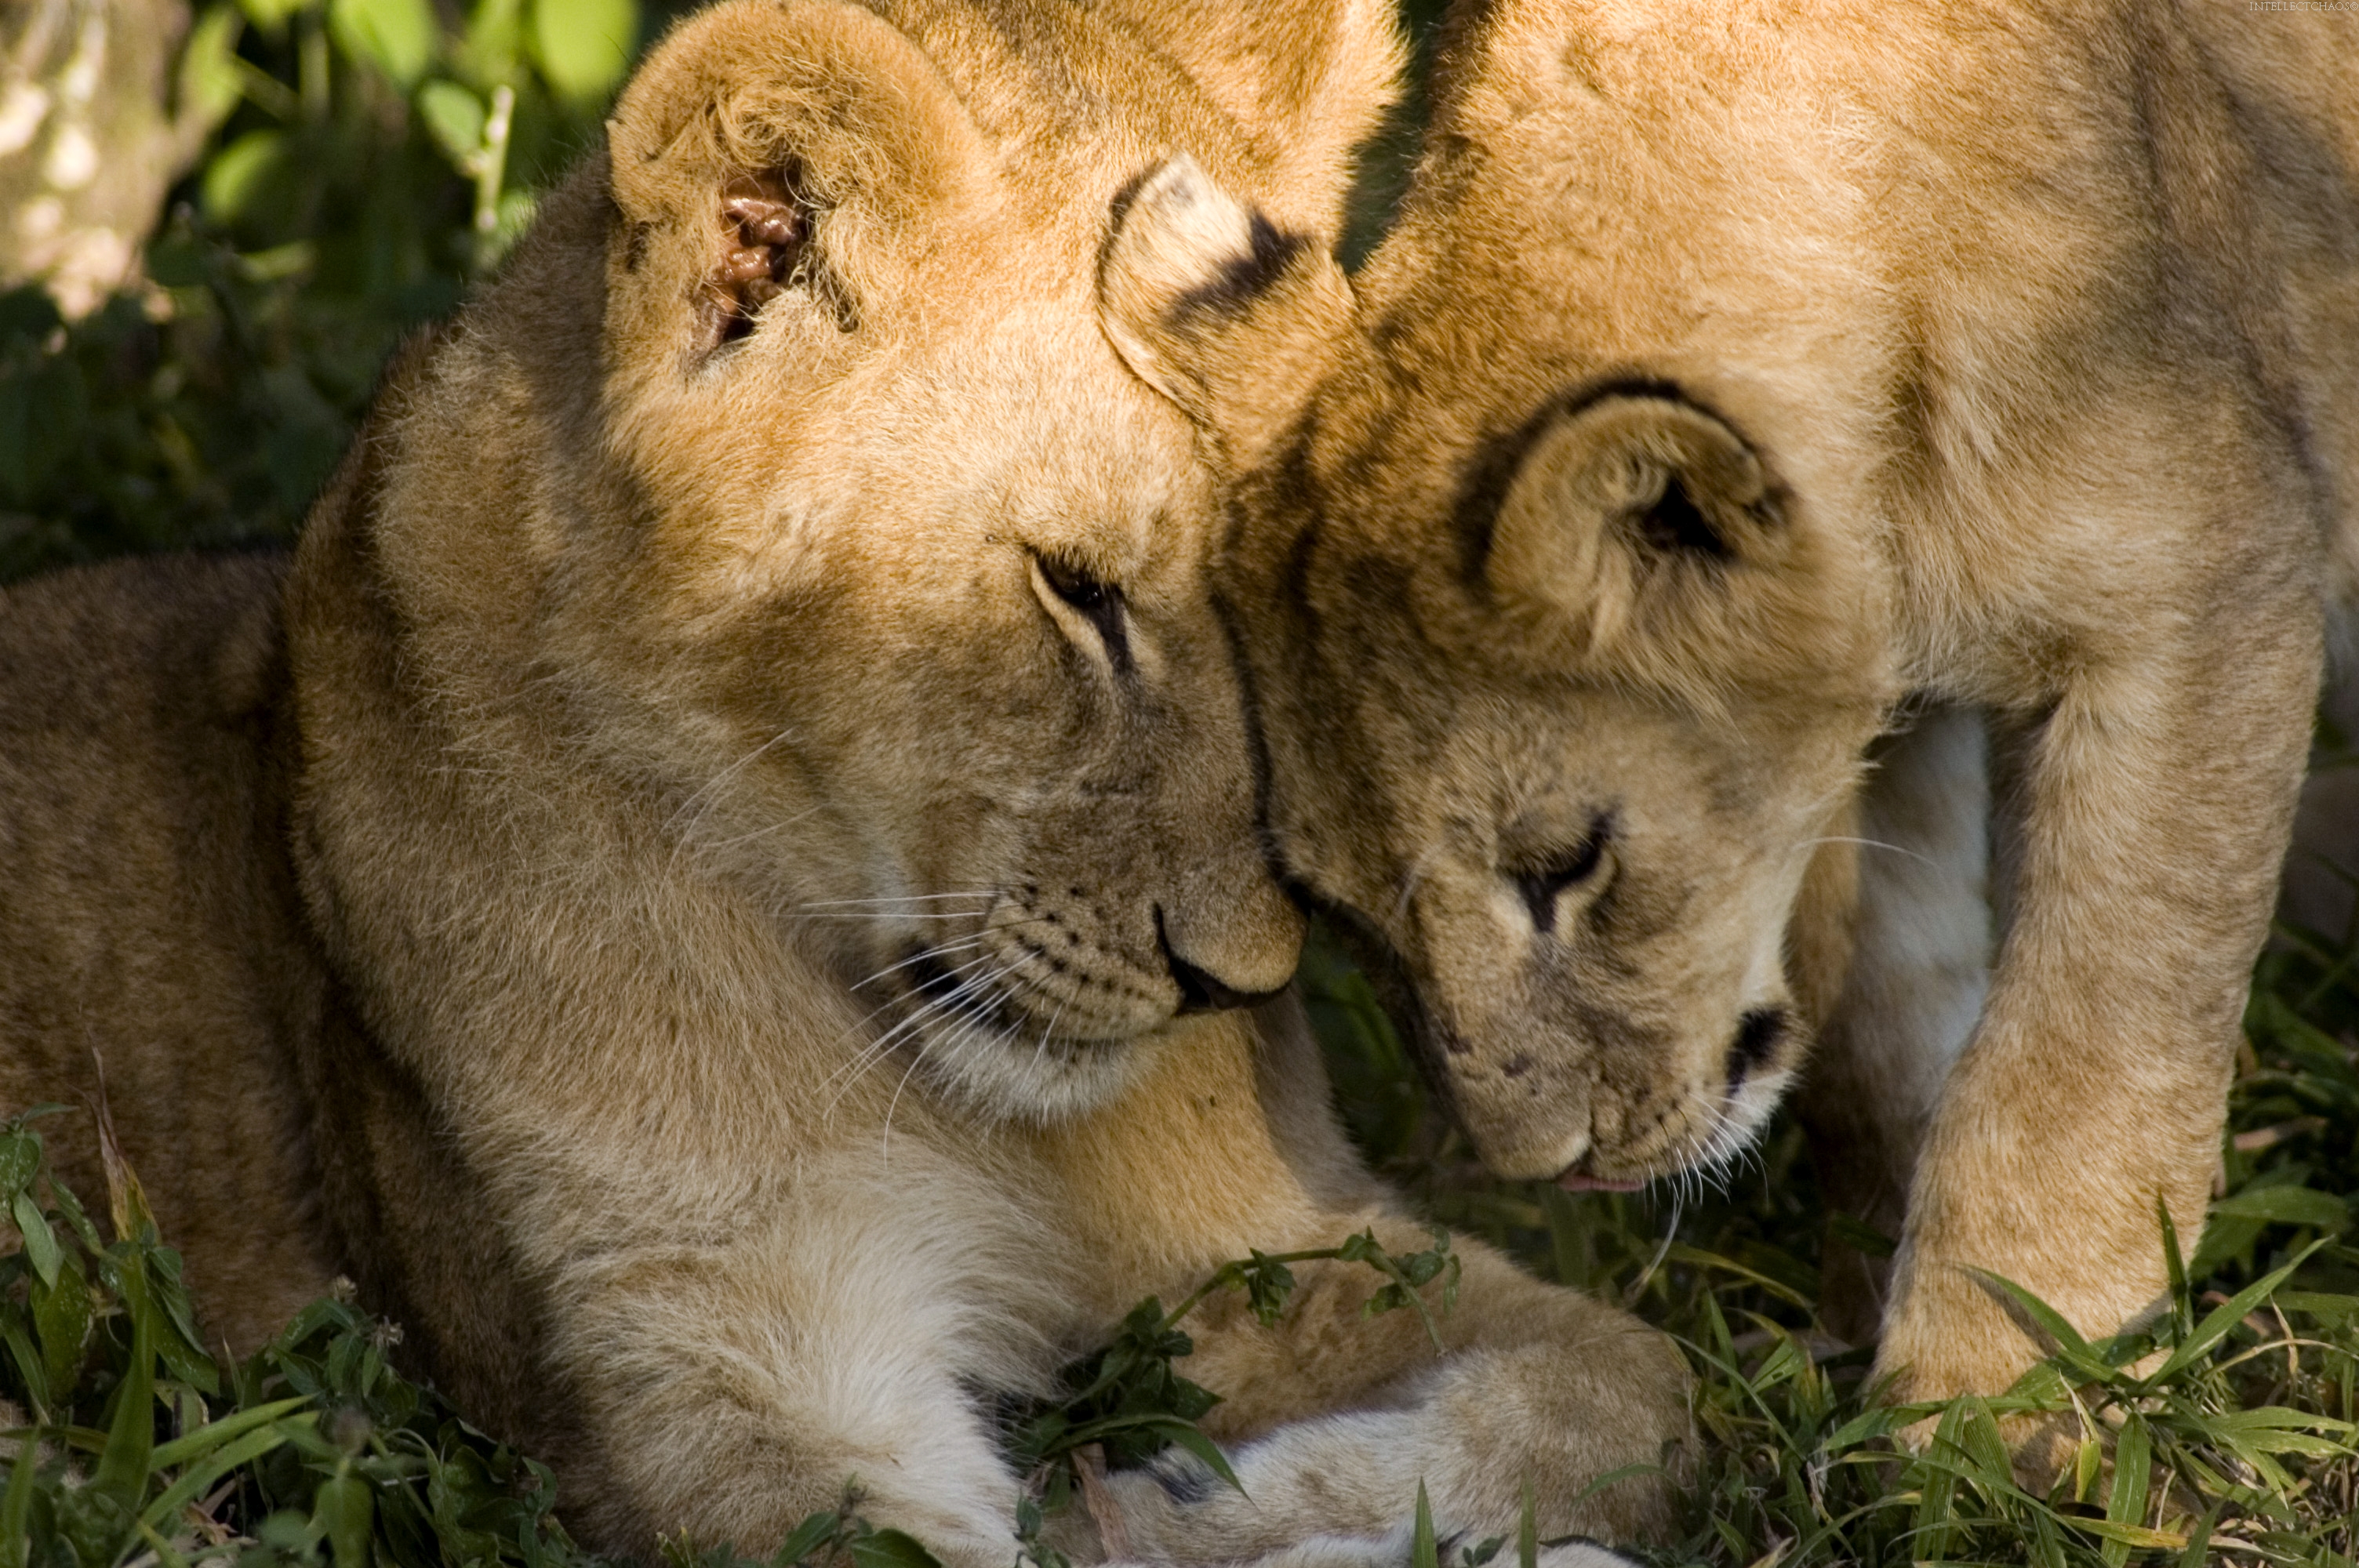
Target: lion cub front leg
<point>1533,1384</point>
<point>2150,821</point>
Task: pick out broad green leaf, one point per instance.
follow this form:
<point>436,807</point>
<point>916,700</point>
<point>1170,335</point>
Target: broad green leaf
<point>1615,1477</point>
<point>891,1548</point>
<point>2224,1318</point>
<point>2133,1473</point>
<point>18,1504</point>
<point>41,1241</point>
<point>270,16</point>
<point>397,37</point>
<point>2130,1535</point>
<point>342,1510</point>
<point>209,82</point>
<point>2270,1417</point>
<point>2319,1305</point>
<point>182,1354</point>
<point>69,1208</point>
<point>1187,1436</point>
<point>806,1537</point>
<point>455,117</point>
<point>61,1316</point>
<point>31,1366</point>
<point>2070,1347</point>
<point>20,1152</point>
<point>584,46</point>
<point>1423,1551</point>
<point>2201,1541</point>
<point>1980,1437</point>
<point>1859,1235</point>
<point>199,1479</point>
<point>2174,1262</point>
<point>1937,1487</point>
<point>237,173</point>
<point>121,1473</point>
<point>2286,1205</point>
<point>2088,1463</point>
<point>191,1447</point>
<point>2041,1387</point>
<point>1680,1253</point>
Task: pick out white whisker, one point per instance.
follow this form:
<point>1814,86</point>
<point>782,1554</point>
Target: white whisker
<point>903,898</point>
<point>1809,844</point>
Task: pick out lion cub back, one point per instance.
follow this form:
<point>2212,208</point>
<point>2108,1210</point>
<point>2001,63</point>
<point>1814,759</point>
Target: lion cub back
<point>147,920</point>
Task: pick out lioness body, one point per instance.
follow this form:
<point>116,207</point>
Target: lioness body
<point>151,920</point>
<point>692,887</point>
<point>1743,382</point>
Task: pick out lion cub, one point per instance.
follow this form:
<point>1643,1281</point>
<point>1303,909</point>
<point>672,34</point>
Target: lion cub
<point>710,883</point>
<point>1755,404</point>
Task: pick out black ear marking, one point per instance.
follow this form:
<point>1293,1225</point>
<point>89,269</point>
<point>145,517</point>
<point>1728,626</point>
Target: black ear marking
<point>1270,250</point>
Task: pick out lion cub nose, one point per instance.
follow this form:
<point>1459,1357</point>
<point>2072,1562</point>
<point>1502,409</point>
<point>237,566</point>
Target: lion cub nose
<point>1200,992</point>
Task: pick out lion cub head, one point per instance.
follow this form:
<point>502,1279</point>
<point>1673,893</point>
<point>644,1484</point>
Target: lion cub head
<point>790,462</point>
<point>1564,685</point>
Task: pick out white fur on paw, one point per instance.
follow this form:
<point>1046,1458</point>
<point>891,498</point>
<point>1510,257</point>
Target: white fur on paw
<point>1579,1555</point>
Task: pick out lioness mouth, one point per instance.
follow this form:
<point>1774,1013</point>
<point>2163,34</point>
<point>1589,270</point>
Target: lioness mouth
<point>1582,1181</point>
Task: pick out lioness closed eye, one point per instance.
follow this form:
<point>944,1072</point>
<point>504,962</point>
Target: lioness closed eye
<point>1743,386</point>
<point>696,883</point>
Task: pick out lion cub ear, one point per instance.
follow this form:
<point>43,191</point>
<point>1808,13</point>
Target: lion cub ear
<point>1229,316</point>
<point>1627,508</point>
<point>781,157</point>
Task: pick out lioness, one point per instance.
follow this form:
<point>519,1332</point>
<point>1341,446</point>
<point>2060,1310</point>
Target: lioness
<point>696,883</point>
<point>1749,396</point>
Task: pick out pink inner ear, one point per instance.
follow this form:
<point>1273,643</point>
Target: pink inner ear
<point>764,228</point>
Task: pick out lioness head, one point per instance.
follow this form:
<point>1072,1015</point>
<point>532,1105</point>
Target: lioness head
<point>1564,684</point>
<point>791,457</point>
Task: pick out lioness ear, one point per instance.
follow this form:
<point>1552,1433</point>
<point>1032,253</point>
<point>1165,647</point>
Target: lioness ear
<point>780,149</point>
<point>1629,497</point>
<point>1230,317</point>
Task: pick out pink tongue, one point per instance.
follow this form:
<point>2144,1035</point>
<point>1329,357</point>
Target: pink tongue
<point>1574,1182</point>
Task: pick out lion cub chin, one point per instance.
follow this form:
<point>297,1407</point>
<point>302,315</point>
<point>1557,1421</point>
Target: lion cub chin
<point>721,883</point>
<point>1849,480</point>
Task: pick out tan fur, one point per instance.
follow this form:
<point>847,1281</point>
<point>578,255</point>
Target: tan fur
<point>1737,373</point>
<point>775,583</point>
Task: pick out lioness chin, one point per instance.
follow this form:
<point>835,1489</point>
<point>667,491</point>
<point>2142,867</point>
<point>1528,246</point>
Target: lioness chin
<point>1754,408</point>
<point>711,882</point>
